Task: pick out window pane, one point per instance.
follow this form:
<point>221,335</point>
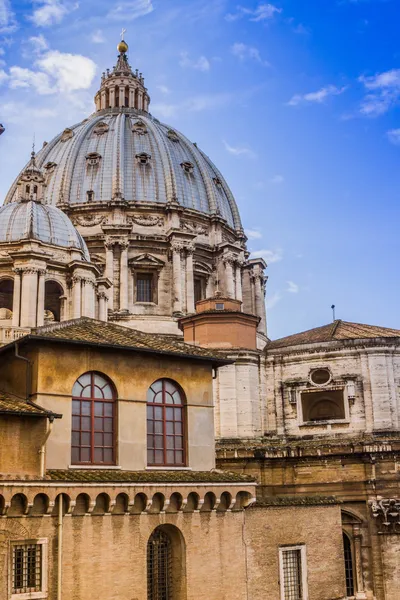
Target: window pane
<point>108,455</point>
<point>179,457</point>
<point>169,428</point>
<point>85,424</point>
<point>149,412</point>
<point>178,414</point>
<point>86,408</point>
<point>178,442</point>
<point>168,399</point>
<point>107,392</point>
<point>159,457</point>
<point>98,424</point>
<point>85,455</point>
<point>144,288</point>
<point>98,439</point>
<point>76,423</point>
<point>108,439</point>
<point>100,381</point>
<point>75,438</point>
<point>169,414</point>
<point>150,426</point>
<point>98,409</point>
<point>150,441</point>
<point>75,455</point>
<point>76,390</point>
<point>157,386</point>
<point>86,392</point>
<point>108,409</point>
<point>108,425</point>
<point>170,387</point>
<point>150,395</point>
<point>158,427</point>
<point>170,457</point>
<point>84,380</point>
<point>158,398</point>
<point>98,392</point>
<point>76,407</point>
<point>170,442</point>
<point>178,428</point>
<point>150,457</point>
<point>158,413</point>
<point>98,455</point>
<point>85,439</point>
<point>159,442</point>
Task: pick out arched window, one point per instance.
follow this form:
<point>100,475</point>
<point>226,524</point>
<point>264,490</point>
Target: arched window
<point>165,424</point>
<point>166,564</point>
<point>53,293</point>
<point>6,293</point>
<point>348,565</point>
<point>93,420</point>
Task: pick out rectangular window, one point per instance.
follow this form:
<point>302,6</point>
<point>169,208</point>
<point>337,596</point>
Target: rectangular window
<point>144,287</point>
<point>27,569</point>
<point>323,405</point>
<point>293,573</point>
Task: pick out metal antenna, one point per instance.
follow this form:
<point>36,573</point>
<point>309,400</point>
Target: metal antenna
<point>333,312</point>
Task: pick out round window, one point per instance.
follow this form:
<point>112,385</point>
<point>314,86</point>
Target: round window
<point>320,376</point>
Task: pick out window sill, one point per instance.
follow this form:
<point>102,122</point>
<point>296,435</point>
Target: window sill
<point>146,303</point>
<point>323,423</point>
<point>97,467</point>
<point>30,596</point>
<point>162,468</point>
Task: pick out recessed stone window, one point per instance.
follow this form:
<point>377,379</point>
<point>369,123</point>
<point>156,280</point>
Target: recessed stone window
<point>143,158</point>
<point>50,166</point>
<point>320,376</point>
<point>326,405</point>
<point>101,128</point>
<point>140,128</point>
<point>219,306</point>
<point>93,159</point>
<point>67,134</point>
<point>187,166</point>
<point>172,135</point>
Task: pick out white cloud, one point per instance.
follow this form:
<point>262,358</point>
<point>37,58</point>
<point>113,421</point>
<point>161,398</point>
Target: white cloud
<point>128,11</point>
<point>277,179</point>
<point>51,12</point>
<point>19,112</point>
<point>163,89</point>
<point>38,43</point>
<point>253,234</point>
<point>383,92</point>
<point>244,52</point>
<point>97,37</point>
<point>8,24</point>
<point>239,150</point>
<point>193,104</point>
<point>292,288</point>
<point>270,256</point>
<point>316,97</point>
<point>57,72</point>
<point>201,64</point>
<point>273,300</point>
<point>394,136</point>
<point>3,76</point>
<point>263,12</point>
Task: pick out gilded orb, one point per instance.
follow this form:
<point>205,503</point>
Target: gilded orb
<point>122,47</point>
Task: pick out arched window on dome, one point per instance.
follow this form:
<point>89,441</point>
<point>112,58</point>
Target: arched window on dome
<point>166,424</point>
<point>127,96</point>
<point>93,420</point>
<point>6,298</point>
<point>53,295</point>
<point>116,96</point>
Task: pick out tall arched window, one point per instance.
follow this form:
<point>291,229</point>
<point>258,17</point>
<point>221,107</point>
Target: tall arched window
<point>166,564</point>
<point>93,420</point>
<point>348,565</point>
<point>165,424</point>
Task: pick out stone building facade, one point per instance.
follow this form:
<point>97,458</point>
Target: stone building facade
<point>154,442</point>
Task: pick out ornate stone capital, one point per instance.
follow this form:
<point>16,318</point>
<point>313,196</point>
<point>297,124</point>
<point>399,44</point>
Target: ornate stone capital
<point>229,259</point>
<point>177,246</point>
<point>387,513</point>
<point>102,296</point>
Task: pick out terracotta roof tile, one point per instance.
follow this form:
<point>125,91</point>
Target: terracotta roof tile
<point>338,330</point>
<point>114,476</point>
<point>11,405</point>
<point>100,333</point>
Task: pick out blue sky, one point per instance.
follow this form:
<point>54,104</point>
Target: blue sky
<point>296,101</point>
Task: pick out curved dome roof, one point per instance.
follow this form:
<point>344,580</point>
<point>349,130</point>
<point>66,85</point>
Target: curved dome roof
<point>126,153</point>
<point>35,221</point>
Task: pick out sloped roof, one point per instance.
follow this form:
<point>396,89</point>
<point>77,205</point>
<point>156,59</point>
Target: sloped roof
<point>338,330</point>
<point>113,476</point>
<point>11,405</point>
<point>99,333</point>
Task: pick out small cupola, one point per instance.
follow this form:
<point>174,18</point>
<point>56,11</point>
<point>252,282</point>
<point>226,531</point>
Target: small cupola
<point>121,87</point>
<point>32,182</point>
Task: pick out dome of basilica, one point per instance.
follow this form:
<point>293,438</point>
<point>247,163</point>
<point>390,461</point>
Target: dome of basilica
<point>122,151</point>
<point>31,220</point>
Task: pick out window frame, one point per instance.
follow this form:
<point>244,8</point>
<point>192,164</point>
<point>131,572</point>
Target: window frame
<point>43,593</point>
<point>323,422</point>
<point>92,399</point>
<point>153,277</point>
<point>164,405</point>
<point>303,569</point>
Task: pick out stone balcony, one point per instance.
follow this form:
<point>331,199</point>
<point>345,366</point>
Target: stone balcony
<point>9,334</point>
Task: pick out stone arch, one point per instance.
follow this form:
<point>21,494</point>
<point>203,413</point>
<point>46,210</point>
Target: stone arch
<point>166,563</point>
<point>209,503</point>
<point>6,296</point>
<point>121,504</point>
<point>102,504</point>
<point>18,506</point>
<point>225,502</point>
<point>175,502</point>
<point>157,503</point>
<point>193,501</point>
<point>140,504</point>
<point>40,505</point>
<point>53,293</point>
<point>82,504</point>
<point>351,534</point>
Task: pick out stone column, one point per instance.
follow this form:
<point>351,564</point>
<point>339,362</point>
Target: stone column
<point>229,282</point>
<point>103,99</point>
<point>209,287</point>
<point>76,297</point>
<point>140,100</point>
<point>360,593</point>
<point>124,277</point>
<point>132,97</point>
<point>29,297</point>
<point>122,95</point>
<point>189,280</point>
<point>88,298</point>
<point>103,299</point>
<point>16,298</point>
<point>177,277</point>
<point>63,308</point>
<point>259,301</point>
<point>239,295</point>
<point>112,97</point>
<point>109,244</point>
<point>40,302</point>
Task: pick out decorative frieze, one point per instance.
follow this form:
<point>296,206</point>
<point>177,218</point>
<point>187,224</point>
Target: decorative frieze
<point>87,220</point>
<point>387,513</point>
<point>150,221</point>
<point>194,228</point>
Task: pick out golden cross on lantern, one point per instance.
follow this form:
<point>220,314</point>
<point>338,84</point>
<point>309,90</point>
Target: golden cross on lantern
<point>123,33</point>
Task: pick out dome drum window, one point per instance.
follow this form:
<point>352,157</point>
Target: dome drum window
<point>139,128</point>
<point>101,128</point>
<point>188,167</point>
<point>67,134</point>
<point>172,135</point>
<point>50,166</point>
<point>93,159</point>
<point>217,181</point>
<point>143,158</point>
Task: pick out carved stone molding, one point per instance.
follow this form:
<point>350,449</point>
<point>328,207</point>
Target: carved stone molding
<point>194,228</point>
<point>111,241</point>
<point>87,220</point>
<point>387,513</point>
<point>147,221</point>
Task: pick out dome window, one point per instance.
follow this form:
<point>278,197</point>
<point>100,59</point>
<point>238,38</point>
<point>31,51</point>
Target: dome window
<point>172,135</point>
<point>320,376</point>
<point>67,134</point>
<point>217,181</point>
<point>140,128</point>
<point>188,167</point>
<point>143,158</point>
<point>101,128</point>
<point>50,166</point>
<point>90,195</point>
<point>93,159</point>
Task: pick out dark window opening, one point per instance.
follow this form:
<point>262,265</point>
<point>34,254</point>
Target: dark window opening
<point>320,376</point>
<point>90,196</point>
<point>52,300</point>
<point>199,289</point>
<point>348,565</point>
<point>292,575</point>
<point>219,306</point>
<point>6,294</point>
<point>159,566</point>
<point>165,424</point>
<point>327,405</point>
<point>93,421</point>
<point>144,287</point>
<point>26,568</point>
<point>116,96</point>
